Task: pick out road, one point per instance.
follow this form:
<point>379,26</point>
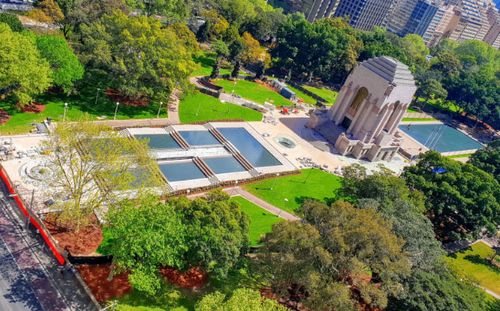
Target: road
<point>16,293</point>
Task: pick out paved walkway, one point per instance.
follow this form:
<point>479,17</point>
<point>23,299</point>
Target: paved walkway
<point>30,278</point>
<point>235,191</point>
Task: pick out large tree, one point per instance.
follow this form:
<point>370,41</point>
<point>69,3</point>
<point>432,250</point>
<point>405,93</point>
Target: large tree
<point>405,208</point>
<point>66,68</point>
<point>461,199</point>
<point>172,9</point>
<point>142,236</point>
<point>92,166</point>
<point>217,232</point>
<point>11,20</point>
<point>488,159</point>
<point>326,49</point>
<point>140,57</point>
<point>241,299</point>
<point>337,258</point>
<point>23,72</point>
<point>439,290</point>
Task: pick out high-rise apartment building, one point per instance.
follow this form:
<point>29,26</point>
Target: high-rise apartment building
<point>493,35</point>
<point>473,23</point>
<point>366,14</point>
<point>322,9</point>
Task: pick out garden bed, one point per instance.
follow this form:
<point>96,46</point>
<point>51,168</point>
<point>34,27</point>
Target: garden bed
<point>115,96</point>
<point>82,243</point>
<point>4,117</point>
<point>33,108</point>
<point>96,278</point>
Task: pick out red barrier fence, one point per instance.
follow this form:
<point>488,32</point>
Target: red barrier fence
<point>33,219</point>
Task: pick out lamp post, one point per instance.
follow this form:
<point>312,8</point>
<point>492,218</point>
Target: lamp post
<point>159,109</point>
<point>65,111</point>
<point>274,182</point>
<point>96,96</point>
<point>116,110</point>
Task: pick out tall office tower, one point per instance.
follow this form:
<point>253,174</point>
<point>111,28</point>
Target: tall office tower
<point>493,35</point>
<point>400,15</point>
<point>423,20</point>
<point>365,14</point>
<point>322,9</point>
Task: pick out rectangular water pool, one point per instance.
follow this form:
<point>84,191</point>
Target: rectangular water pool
<point>222,165</point>
<point>159,141</point>
<point>199,138</point>
<point>181,171</point>
<point>249,147</point>
<point>440,137</point>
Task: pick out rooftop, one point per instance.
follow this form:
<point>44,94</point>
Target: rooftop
<point>390,69</point>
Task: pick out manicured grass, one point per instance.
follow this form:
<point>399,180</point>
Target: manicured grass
<point>289,192</point>
<point>206,60</point>
<point>473,263</point>
<point>198,107</point>
<point>261,221</point>
<point>329,95</point>
<point>78,105</point>
<point>418,119</point>
<point>458,156</point>
<point>306,98</point>
<point>253,91</point>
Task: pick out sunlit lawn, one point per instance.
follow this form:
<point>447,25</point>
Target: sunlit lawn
<point>198,107</point>
<point>206,61</point>
<point>301,95</point>
<point>289,192</point>
<point>253,91</point>
<point>261,221</point>
<point>78,105</point>
<point>329,95</point>
<point>473,263</point>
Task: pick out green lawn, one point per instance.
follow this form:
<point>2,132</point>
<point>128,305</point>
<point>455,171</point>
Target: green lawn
<point>473,264</point>
<point>78,106</point>
<point>253,91</point>
<point>198,107</point>
<point>288,192</point>
<point>458,156</point>
<point>261,221</point>
<point>329,95</point>
<point>206,61</point>
<point>418,119</point>
<point>306,98</point>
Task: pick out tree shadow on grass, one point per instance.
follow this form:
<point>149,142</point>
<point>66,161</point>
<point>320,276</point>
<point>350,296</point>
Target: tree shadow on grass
<point>327,200</point>
<point>482,261</point>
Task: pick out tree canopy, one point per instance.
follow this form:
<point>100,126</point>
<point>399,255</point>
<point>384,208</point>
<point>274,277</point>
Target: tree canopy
<point>488,159</point>
<point>140,57</point>
<point>461,199</point>
<point>66,68</point>
<point>242,299</point>
<point>334,251</point>
<point>11,20</point>
<point>23,72</point>
<point>217,232</point>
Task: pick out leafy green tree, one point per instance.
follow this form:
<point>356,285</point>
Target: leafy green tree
<point>488,159</point>
<point>140,56</point>
<point>414,47</point>
<point>144,236</point>
<point>89,171</point>
<point>172,9</point>
<point>439,290</point>
<point>241,299</point>
<point>460,198</point>
<point>216,232</point>
<point>333,251</point>
<point>222,51</point>
<point>326,49</point>
<point>380,42</point>
<point>23,72</point>
<point>389,195</point>
<point>66,68</point>
<point>46,11</point>
<point>214,27</point>
<point>11,20</point>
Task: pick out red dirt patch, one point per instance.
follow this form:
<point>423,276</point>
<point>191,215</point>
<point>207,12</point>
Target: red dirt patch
<point>4,117</point>
<point>115,96</point>
<point>194,278</point>
<point>33,108</point>
<point>96,278</point>
<point>81,243</point>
